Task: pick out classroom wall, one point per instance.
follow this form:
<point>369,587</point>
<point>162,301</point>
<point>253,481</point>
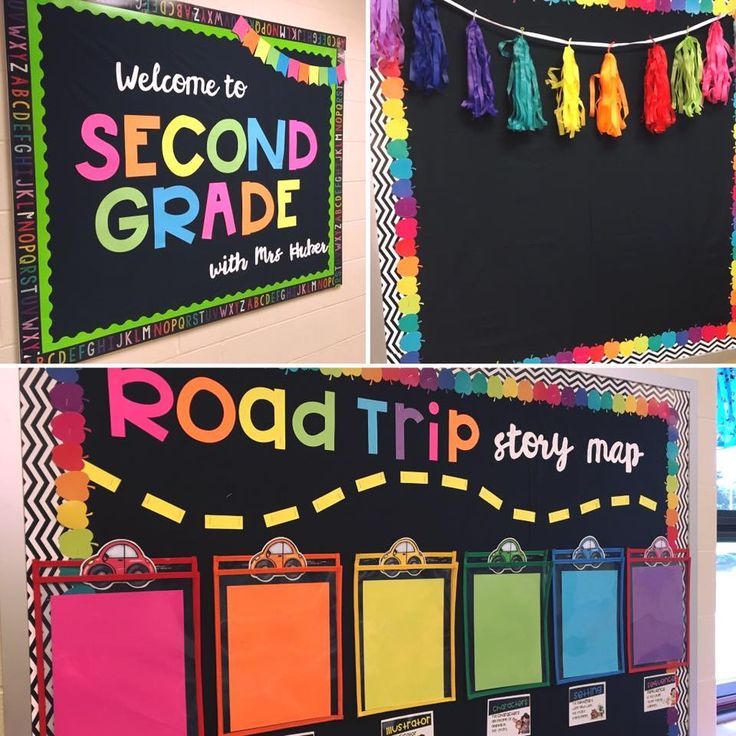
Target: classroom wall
<point>326,327</point>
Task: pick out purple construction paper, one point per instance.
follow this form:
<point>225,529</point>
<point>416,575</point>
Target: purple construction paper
<point>658,614</point>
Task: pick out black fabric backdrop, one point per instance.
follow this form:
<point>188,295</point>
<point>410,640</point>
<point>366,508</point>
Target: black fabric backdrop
<point>238,476</point>
<point>93,287</point>
<point>532,243</point>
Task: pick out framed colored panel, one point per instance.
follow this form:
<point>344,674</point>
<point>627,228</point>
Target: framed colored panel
<point>93,638</point>
<point>530,269</point>
<point>200,154</point>
<point>658,594</point>
<point>278,643</point>
<point>588,613</point>
<point>506,615</point>
<point>404,631</point>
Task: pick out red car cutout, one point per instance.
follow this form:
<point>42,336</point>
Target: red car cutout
<point>118,557</point>
<point>280,552</point>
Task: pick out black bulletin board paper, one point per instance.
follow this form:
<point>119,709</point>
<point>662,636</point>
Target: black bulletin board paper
<point>238,476</point>
<point>532,244</point>
<point>83,293</point>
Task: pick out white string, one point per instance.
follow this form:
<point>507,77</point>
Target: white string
<point>593,44</point>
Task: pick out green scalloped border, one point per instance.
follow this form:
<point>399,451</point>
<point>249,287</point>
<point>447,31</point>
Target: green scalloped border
<point>48,343</point>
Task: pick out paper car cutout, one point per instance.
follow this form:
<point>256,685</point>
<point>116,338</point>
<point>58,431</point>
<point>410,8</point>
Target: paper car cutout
<point>403,552</point>
<point>589,550</point>
<point>118,557</point>
<point>280,552</point>
<point>659,549</point>
<point>508,552</point>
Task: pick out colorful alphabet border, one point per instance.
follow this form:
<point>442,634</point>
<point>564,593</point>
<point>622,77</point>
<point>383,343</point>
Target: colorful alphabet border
<point>29,181</point>
<point>399,227</point>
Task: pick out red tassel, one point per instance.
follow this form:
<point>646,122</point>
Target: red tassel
<point>658,112</point>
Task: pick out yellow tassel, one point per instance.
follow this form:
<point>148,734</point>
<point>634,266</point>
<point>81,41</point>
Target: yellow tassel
<point>611,108</point>
<point>570,111</point>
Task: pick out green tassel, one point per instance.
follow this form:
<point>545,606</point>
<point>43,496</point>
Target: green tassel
<point>523,87</point>
<point>687,75</point>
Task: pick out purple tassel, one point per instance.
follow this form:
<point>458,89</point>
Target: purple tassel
<point>429,61</point>
<point>481,94</point>
<point>387,33</point>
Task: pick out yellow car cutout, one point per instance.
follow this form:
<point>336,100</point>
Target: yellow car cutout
<point>403,552</point>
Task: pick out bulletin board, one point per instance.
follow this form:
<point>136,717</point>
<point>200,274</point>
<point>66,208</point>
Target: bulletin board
<point>546,248</point>
<point>173,165</point>
<point>387,521</point>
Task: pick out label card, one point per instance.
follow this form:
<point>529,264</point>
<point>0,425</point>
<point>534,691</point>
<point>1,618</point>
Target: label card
<point>660,692</point>
<point>415,724</point>
<point>587,703</point>
<point>510,716</point>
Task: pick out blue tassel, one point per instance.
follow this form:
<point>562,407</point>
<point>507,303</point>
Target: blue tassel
<point>481,94</point>
<point>428,71</point>
<point>523,87</point>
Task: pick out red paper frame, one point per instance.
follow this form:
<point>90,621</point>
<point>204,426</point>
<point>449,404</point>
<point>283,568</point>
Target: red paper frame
<point>37,566</point>
<point>680,556</point>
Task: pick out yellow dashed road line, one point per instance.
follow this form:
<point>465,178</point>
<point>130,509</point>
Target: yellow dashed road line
<point>101,477</point>
<point>592,505</point>
<point>620,500</point>
<point>525,515</point>
<point>163,508</point>
<point>415,477</point>
<point>223,521</point>
<point>457,484</point>
<point>648,503</point>
<point>328,499</point>
<point>491,498</point>
<point>370,481</point>
<point>560,515</point>
<point>281,517</point>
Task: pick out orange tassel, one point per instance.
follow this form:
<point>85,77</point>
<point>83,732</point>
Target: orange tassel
<point>611,108</point>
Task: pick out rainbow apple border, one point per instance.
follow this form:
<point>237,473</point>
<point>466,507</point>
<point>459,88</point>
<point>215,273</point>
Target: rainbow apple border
<point>643,348</point>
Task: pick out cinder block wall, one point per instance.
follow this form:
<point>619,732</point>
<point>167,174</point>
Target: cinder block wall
<point>324,327</point>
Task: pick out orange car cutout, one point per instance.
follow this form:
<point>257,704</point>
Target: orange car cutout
<point>118,557</point>
<point>403,552</point>
<point>280,552</point>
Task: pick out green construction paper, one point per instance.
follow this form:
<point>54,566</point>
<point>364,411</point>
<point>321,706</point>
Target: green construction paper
<point>507,633</point>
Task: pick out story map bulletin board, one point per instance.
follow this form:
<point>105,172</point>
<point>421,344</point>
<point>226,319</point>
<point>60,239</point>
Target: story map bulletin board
<point>531,246</point>
<point>365,551</point>
<point>173,165</point>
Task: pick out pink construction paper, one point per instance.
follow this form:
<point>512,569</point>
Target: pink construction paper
<point>118,664</point>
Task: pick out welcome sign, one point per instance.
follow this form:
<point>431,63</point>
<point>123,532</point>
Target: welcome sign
<point>173,165</point>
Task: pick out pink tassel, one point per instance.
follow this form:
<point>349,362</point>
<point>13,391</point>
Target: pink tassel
<point>387,33</point>
<point>716,70</point>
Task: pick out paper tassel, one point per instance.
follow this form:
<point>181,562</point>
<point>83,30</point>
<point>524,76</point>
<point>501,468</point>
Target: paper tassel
<point>481,93</point>
<point>523,87</point>
<point>570,111</point>
<point>687,76</point>
<point>718,65</point>
<point>429,62</point>
<point>611,108</point>
<point>387,33</point>
<point>658,112</point>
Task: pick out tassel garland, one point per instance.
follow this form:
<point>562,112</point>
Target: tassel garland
<point>687,76</point>
<point>387,33</point>
<point>611,108</point>
<point>658,112</point>
<point>718,66</point>
<point>570,111</point>
<point>429,61</point>
<point>523,87</point>
<point>481,93</point>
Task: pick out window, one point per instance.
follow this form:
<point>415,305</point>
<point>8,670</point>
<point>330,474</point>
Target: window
<point>726,546</point>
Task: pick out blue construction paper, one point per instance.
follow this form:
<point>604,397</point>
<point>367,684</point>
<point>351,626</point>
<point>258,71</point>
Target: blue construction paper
<point>590,622</point>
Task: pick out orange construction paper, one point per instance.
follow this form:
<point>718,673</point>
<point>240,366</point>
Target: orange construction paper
<point>279,670</point>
